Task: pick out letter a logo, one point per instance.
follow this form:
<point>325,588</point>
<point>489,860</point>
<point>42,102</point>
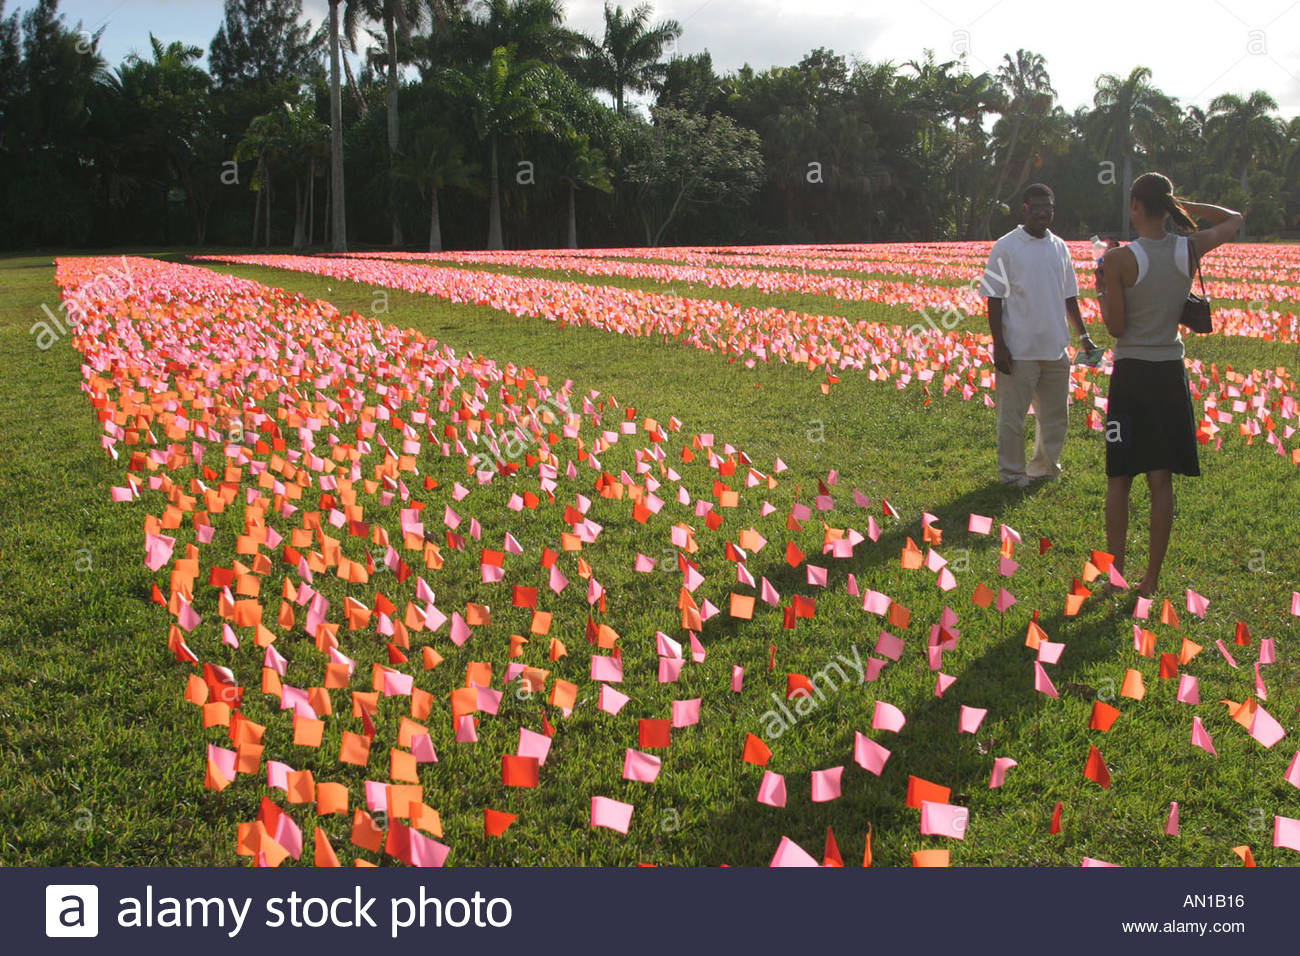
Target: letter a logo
<point>71,910</point>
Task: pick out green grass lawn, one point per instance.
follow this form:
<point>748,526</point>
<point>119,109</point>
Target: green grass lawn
<point>101,760</point>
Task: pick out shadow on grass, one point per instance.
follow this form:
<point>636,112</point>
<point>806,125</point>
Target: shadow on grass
<point>1000,677</point>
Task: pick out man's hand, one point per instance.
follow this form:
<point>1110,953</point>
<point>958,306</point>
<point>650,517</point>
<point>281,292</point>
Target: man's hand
<point>1001,356</point>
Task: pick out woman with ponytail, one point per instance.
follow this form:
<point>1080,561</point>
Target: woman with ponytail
<point>1150,425</point>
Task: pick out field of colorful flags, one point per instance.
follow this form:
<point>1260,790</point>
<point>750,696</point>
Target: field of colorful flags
<point>422,601</point>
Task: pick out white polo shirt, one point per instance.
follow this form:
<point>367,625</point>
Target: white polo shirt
<point>1033,278</point>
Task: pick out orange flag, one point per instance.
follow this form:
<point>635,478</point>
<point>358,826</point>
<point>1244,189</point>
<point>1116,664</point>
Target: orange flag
<point>1133,685</point>
<point>1095,769</point>
<point>756,752</point>
<point>1167,615</point>
<point>1103,716</point>
<point>1055,825</point>
<point>866,850</point>
<point>324,855</point>
<point>495,822</point>
<point>831,855</point>
<point>930,858</point>
<point>918,790</point>
<point>1247,859</point>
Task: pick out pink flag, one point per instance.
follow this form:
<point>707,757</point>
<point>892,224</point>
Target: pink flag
<point>871,756</point>
<point>979,524</point>
<point>1224,651</point>
<point>1090,862</point>
<point>424,850</point>
<point>643,564</point>
<point>1286,832</point>
<point>1005,599</point>
<point>873,669</point>
<point>531,744</point>
<point>1007,567</point>
<point>1116,578</point>
<point>670,668</point>
<point>697,649</point>
<point>1188,693</point>
<point>768,593</point>
<point>1264,728</point>
<point>771,789</point>
<point>1171,822</point>
<point>737,677</point>
<point>826,784</point>
<point>611,701</point>
<point>1295,603</point>
<point>1266,650</point>
<point>1042,683</point>
<point>876,603</point>
<point>1000,767</point>
<point>610,813</point>
<point>607,668</point>
<point>422,749</point>
<point>459,629</point>
<point>686,712</point>
<point>887,717</point>
<point>946,580</point>
<point>969,720</point>
<point>1196,604</point>
<point>1050,652</point>
<point>816,576</point>
<point>1293,771</point>
<point>942,682</point>
<point>639,766</point>
<point>887,645</point>
<point>1142,608</point>
<point>1202,739</point>
<point>789,853</point>
<point>943,819</point>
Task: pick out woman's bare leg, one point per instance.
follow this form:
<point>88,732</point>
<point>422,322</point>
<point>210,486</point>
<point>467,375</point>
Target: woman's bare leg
<point>1117,490</point>
<point>1161,484</point>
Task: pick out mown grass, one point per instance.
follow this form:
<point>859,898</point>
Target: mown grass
<point>102,760</point>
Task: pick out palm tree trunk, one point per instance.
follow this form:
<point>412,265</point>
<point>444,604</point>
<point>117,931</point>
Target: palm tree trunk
<point>393,132</point>
<point>435,225</point>
<point>311,201</point>
<point>267,184</point>
<point>299,215</point>
<point>257,208</point>
<point>1002,177</point>
<point>573,218</point>
<point>1128,186</point>
<point>338,230</point>
<point>494,200</point>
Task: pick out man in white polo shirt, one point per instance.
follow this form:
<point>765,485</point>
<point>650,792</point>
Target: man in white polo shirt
<point>1031,289</point>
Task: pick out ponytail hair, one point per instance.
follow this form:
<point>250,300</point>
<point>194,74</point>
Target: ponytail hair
<point>1156,194</point>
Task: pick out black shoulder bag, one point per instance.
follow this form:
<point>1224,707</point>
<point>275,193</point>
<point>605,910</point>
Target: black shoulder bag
<point>1196,310</point>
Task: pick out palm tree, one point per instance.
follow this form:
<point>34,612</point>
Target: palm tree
<point>436,161</point>
<point>530,29</point>
<point>583,166</point>
<point>1026,93</point>
<point>338,217</point>
<point>399,17</point>
<point>265,144</point>
<point>504,101</point>
<point>1128,113</point>
<point>628,56</point>
<point>1241,132</point>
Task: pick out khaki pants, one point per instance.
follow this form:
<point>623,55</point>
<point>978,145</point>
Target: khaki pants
<point>1047,385</point>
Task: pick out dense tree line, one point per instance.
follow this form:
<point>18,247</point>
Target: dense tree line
<point>491,123</point>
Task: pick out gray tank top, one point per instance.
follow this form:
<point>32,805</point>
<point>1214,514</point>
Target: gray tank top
<point>1153,304</point>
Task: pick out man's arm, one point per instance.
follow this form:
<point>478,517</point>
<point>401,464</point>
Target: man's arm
<point>1001,354</point>
<point>1076,320</point>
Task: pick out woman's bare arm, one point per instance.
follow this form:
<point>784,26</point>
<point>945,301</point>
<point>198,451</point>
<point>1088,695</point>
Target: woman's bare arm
<point>1226,223</point>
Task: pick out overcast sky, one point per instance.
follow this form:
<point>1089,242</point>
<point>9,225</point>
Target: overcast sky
<point>1196,49</point>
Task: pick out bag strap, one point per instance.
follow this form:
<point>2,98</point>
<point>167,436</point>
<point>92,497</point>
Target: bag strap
<point>1196,257</point>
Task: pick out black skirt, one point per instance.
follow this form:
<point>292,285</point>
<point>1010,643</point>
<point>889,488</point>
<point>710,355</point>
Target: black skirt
<point>1150,424</point>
